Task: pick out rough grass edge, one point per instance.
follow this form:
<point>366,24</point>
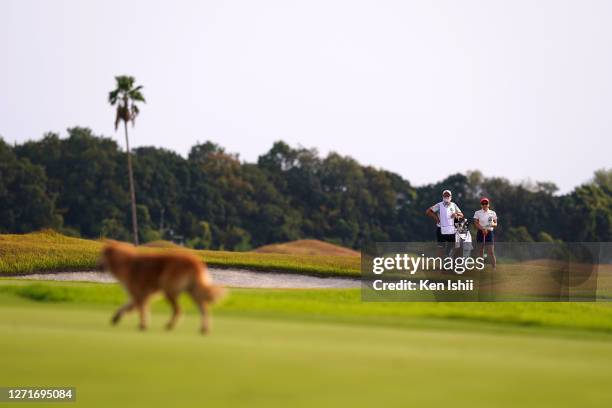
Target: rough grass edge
<point>59,249</point>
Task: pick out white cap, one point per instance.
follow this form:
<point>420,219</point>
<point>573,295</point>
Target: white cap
<point>447,191</point>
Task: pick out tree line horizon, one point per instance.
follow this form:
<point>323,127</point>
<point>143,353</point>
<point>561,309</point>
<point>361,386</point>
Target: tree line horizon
<point>210,199</point>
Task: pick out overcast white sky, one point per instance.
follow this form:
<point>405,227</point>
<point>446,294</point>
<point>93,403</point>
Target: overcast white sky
<point>520,89</point>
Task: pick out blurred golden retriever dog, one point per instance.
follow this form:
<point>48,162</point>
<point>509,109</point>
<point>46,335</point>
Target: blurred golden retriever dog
<point>171,272</point>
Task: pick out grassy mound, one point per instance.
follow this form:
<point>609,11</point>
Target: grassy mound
<point>46,251</point>
<point>307,247</point>
<point>51,251</point>
<point>161,244</point>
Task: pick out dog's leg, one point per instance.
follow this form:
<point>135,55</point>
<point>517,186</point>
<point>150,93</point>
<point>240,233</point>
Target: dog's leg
<point>143,309</point>
<point>199,298</point>
<point>121,311</point>
<point>176,310</point>
<point>205,328</point>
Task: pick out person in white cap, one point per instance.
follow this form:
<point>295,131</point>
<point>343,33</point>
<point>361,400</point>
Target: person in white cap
<point>444,214</point>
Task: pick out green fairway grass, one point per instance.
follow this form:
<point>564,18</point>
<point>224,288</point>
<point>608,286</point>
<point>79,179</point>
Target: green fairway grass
<point>306,348</point>
<point>51,251</point>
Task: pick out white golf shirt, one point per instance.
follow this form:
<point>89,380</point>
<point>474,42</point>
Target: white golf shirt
<point>445,212</point>
<point>485,218</point>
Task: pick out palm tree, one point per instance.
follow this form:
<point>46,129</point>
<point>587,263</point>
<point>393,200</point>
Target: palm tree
<point>125,97</point>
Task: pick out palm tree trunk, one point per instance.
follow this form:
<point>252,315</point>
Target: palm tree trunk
<point>132,194</point>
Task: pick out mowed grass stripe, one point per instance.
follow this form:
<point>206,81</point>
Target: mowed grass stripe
<point>340,306</point>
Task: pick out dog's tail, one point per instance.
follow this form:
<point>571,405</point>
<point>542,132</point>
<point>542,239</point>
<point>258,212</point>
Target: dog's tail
<point>214,293</point>
<point>207,290</point>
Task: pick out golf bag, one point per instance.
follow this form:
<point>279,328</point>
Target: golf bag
<point>463,237</point>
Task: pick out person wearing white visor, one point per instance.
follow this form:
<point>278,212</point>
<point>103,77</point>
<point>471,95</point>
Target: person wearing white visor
<point>444,214</point>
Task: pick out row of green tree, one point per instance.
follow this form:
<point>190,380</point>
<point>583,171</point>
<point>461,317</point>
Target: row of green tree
<point>212,199</point>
